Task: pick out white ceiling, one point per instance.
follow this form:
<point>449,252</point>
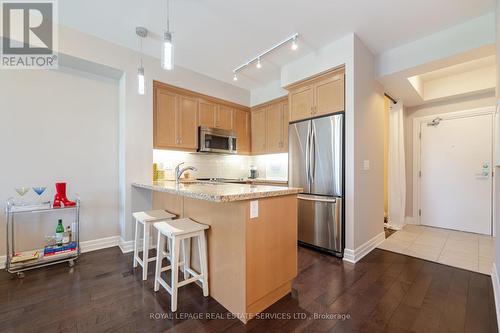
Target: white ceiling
<point>212,37</point>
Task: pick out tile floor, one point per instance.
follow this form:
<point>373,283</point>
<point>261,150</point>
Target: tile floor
<point>465,250</point>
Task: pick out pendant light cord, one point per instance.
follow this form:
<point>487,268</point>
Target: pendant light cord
<point>168,15</point>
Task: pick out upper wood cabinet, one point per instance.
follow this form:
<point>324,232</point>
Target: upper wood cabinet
<point>224,117</point>
<point>270,127</point>
<point>241,126</point>
<point>178,113</point>
<point>317,96</point>
<point>207,113</point>
<point>174,120</point>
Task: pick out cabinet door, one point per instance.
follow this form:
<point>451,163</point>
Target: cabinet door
<point>224,118</point>
<point>186,124</point>
<point>274,128</point>
<point>164,119</point>
<point>241,125</point>
<point>284,122</point>
<point>329,95</point>
<point>259,131</point>
<point>207,113</point>
<point>301,103</point>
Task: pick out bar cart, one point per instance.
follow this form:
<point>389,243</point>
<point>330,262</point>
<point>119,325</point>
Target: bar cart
<point>13,211</point>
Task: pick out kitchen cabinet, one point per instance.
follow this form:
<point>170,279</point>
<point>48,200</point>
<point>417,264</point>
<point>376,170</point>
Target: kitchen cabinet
<point>270,127</point>
<point>178,112</point>
<point>224,118</point>
<point>259,131</point>
<point>207,113</point>
<point>318,96</point>
<point>174,120</point>
<point>242,128</point>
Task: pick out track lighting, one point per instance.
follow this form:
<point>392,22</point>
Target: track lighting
<point>257,60</point>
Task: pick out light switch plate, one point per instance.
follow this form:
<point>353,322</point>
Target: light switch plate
<point>254,209</point>
<point>366,165</point>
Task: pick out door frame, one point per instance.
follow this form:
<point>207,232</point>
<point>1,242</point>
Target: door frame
<point>417,121</point>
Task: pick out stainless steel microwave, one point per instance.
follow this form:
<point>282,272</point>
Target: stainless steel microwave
<point>215,140</point>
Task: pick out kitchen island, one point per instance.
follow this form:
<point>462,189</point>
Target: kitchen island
<point>252,239</point>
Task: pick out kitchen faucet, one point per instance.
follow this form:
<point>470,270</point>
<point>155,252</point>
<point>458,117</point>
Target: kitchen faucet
<point>179,171</point>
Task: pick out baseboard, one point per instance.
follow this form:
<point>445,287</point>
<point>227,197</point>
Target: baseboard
<point>356,255</point>
<point>87,246</point>
<point>496,291</point>
<point>409,220</point>
<point>98,244</point>
<point>126,246</point>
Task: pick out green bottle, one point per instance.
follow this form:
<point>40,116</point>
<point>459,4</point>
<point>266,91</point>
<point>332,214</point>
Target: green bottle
<point>59,233</point>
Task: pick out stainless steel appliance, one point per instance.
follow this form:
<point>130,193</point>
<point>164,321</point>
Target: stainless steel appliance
<point>315,163</point>
<point>215,140</point>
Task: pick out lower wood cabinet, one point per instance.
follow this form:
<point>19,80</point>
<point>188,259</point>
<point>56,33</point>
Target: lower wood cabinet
<point>270,127</point>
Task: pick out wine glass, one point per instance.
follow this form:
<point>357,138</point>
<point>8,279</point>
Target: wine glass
<point>22,191</point>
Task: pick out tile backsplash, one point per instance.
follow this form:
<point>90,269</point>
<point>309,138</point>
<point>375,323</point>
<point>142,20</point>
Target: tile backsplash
<point>273,166</point>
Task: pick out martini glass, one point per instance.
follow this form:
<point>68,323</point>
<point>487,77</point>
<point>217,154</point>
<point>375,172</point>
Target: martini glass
<point>39,190</point>
<point>22,191</point>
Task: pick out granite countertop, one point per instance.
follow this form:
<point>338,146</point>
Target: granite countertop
<point>218,192</point>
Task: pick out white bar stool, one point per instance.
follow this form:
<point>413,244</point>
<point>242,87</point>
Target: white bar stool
<point>146,219</point>
<point>177,232</point>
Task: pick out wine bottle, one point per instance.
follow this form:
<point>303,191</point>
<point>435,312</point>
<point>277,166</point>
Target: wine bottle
<point>59,233</point>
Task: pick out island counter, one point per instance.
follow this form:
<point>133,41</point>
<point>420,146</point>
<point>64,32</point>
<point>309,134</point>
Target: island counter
<point>252,260</point>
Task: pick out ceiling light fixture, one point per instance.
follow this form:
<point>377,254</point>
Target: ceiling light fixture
<point>141,82</point>
<point>257,59</point>
<point>235,77</point>
<point>167,56</point>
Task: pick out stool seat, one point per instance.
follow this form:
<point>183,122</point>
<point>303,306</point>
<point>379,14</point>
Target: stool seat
<point>153,215</point>
<point>179,227</point>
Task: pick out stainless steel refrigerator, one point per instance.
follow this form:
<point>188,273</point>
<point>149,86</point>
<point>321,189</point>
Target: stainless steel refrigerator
<point>315,163</point>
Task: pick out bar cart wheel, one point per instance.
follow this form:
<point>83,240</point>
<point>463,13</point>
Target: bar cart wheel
<point>71,263</point>
<point>20,275</point>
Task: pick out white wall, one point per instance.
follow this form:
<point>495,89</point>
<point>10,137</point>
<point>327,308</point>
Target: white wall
<point>454,105</point>
<point>60,126</point>
<point>267,93</point>
<point>497,171</point>
<point>368,146</point>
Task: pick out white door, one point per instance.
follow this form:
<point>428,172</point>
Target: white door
<point>456,181</point>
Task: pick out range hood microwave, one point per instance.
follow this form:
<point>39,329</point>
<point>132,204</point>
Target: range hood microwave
<point>215,140</point>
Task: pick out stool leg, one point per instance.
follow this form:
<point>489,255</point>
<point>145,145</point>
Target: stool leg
<point>145,253</point>
<point>186,254</point>
<point>159,259</point>
<point>202,248</point>
<point>136,243</point>
<point>174,255</point>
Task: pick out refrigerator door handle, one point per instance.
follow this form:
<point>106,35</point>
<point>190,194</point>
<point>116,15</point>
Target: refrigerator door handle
<point>308,155</point>
<point>315,198</point>
<point>313,152</point>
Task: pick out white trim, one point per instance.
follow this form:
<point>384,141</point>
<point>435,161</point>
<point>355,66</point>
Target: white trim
<point>489,110</point>
<point>126,246</point>
<point>408,220</point>
<point>92,245</point>
<point>356,255</point>
<point>496,291</point>
<point>98,244</point>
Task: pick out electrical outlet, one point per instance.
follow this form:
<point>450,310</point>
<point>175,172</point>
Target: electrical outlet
<point>366,165</point>
<point>254,209</point>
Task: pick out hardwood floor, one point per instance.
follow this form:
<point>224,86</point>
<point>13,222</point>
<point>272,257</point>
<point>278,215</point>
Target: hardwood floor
<point>384,292</point>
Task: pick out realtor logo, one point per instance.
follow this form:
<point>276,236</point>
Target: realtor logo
<point>29,34</point>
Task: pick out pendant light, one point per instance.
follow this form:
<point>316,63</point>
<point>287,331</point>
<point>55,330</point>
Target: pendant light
<point>141,81</point>
<point>167,56</point>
